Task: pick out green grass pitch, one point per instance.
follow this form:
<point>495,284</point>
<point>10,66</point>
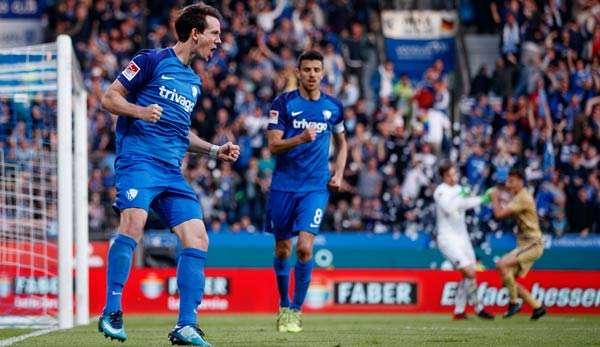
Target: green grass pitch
<point>346,330</point>
<point>6,333</point>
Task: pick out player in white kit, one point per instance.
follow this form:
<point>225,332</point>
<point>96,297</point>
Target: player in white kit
<point>453,239</point>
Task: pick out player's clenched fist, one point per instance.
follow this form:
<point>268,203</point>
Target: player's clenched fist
<point>151,113</point>
<point>309,134</point>
<point>335,183</point>
<point>228,152</point>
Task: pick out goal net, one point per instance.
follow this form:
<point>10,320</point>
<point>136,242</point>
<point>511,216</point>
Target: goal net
<point>43,187</point>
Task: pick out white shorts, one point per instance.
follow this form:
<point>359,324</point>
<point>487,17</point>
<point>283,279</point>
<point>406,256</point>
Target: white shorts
<point>457,249</point>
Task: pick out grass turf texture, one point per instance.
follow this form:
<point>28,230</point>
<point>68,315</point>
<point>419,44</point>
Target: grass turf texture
<point>348,330</point>
<point>9,332</point>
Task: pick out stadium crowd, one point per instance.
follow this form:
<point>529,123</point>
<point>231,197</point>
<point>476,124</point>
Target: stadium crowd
<point>538,108</point>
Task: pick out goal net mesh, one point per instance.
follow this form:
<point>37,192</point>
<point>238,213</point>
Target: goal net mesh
<point>28,186</point>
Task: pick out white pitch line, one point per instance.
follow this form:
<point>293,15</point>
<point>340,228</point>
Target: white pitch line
<point>13,340</point>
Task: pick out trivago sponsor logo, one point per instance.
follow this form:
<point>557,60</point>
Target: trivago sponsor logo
<point>375,293</point>
<point>550,296</point>
<point>303,124</point>
<point>171,94</point>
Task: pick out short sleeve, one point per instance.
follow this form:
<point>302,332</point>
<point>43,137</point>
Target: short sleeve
<point>138,72</point>
<point>338,122</point>
<point>277,114</point>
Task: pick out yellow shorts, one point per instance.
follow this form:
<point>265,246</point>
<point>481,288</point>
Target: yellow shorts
<point>526,255</point>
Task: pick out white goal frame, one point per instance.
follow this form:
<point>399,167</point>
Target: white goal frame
<point>72,194</point>
<point>72,186</point>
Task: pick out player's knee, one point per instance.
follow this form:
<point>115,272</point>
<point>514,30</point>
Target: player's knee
<point>504,269</point>
<point>501,266</point>
<point>195,239</point>
<point>282,252</point>
<point>133,227</point>
<point>304,253</point>
<point>283,249</point>
<point>192,234</point>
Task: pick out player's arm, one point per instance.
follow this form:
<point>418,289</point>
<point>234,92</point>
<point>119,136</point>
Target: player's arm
<point>499,211</point>
<point>115,101</point>
<point>278,145</point>
<point>451,204</point>
<point>227,152</point>
<point>341,149</point>
<point>468,203</point>
<point>278,120</point>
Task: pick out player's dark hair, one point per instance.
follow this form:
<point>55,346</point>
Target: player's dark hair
<point>518,172</point>
<point>194,16</point>
<point>310,55</point>
<point>445,166</point>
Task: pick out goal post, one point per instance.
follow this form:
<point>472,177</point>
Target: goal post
<point>81,210</point>
<point>64,110</point>
<point>43,187</point>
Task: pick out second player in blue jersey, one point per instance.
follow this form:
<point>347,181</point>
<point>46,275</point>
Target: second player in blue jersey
<point>301,125</point>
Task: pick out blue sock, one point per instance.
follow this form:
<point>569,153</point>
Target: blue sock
<point>302,272</point>
<point>119,264</point>
<point>282,272</point>
<point>190,282</point>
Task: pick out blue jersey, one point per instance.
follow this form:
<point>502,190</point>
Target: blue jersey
<point>305,167</point>
<point>158,77</point>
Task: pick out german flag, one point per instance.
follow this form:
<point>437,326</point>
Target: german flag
<point>447,24</point>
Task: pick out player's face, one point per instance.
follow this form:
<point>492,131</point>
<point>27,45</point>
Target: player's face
<point>310,74</point>
<point>452,176</point>
<point>209,39</point>
<point>513,183</point>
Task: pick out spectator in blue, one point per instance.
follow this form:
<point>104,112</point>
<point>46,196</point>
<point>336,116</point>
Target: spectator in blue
<point>476,167</point>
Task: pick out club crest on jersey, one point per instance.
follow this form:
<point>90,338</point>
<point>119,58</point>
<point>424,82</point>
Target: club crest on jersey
<point>131,194</point>
<point>327,114</point>
<point>194,91</point>
<point>131,70</point>
<point>273,117</point>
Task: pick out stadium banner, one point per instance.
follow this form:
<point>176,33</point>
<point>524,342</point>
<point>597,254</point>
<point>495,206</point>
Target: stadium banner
<point>507,241</point>
<point>21,22</point>
<point>415,39</point>
<point>349,290</point>
<point>27,291</point>
<point>338,250</point>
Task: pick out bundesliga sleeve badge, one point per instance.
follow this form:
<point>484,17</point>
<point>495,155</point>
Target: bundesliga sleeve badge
<point>273,117</point>
<point>131,70</point>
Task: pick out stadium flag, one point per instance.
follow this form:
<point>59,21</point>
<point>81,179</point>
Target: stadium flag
<point>415,39</point>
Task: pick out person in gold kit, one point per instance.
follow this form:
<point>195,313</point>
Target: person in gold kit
<point>529,242</point>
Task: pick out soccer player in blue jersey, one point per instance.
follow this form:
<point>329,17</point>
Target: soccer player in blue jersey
<point>154,98</point>
<point>301,123</point>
